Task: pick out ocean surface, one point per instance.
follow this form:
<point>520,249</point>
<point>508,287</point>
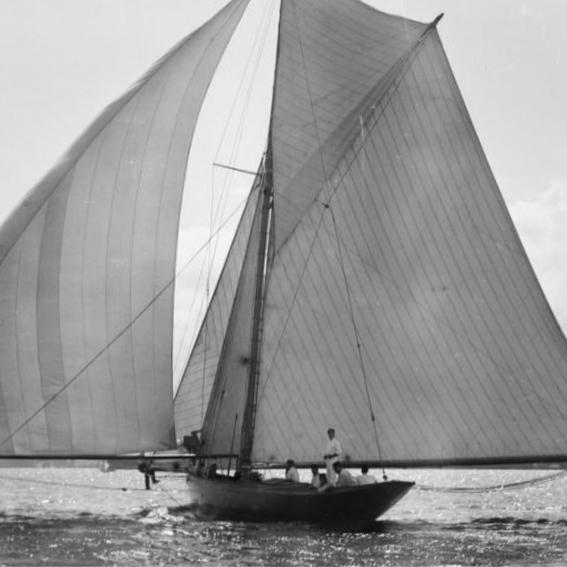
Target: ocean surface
<point>83,516</point>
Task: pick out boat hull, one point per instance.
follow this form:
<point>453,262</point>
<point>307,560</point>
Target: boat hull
<point>256,501</point>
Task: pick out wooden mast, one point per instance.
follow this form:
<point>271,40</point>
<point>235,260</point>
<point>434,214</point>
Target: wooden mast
<point>249,417</point>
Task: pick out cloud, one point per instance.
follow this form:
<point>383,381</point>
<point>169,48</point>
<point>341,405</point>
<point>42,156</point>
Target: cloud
<point>542,225</point>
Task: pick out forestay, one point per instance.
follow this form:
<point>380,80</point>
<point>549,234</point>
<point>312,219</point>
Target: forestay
<point>87,263</point>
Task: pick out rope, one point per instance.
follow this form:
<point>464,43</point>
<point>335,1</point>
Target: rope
<point>70,484</point>
<point>169,494</point>
<point>292,305</point>
<point>251,69</point>
<point>491,488</point>
<point>357,339</point>
<point>160,487</point>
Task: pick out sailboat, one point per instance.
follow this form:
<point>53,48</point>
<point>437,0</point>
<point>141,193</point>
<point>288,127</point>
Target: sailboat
<point>375,283</point>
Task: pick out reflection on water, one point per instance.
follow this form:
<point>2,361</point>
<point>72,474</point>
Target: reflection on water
<point>85,517</point>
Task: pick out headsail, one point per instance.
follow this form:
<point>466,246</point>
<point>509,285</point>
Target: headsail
<point>215,379</point>
<point>464,359</point>
<point>86,269</point>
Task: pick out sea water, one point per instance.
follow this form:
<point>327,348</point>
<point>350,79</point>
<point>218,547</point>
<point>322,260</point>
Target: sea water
<point>83,516</point>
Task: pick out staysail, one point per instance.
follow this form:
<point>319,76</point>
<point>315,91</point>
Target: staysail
<point>219,357</point>
<point>86,269</point>
<point>463,360</point>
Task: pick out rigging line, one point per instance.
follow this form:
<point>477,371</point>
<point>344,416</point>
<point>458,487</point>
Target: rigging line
<point>168,493</point>
<point>376,114</point>
<point>260,50</point>
<point>292,305</point>
<point>394,76</point>
<point>251,68</point>
<point>391,90</point>
<point>405,63</point>
<point>398,72</point>
<point>492,488</point>
<point>121,333</point>
<point>482,352</point>
<point>69,484</point>
<point>189,309</point>
<point>443,321</point>
<point>240,129</point>
<point>356,336</point>
<point>238,169</point>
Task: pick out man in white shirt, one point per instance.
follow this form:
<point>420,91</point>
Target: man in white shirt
<point>344,478</point>
<point>332,455</point>
<point>316,478</point>
<point>291,473</point>
<point>365,478</point>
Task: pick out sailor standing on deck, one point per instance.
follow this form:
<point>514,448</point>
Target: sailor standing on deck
<point>332,455</point>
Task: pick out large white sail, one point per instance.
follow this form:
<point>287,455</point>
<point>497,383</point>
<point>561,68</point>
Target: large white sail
<point>86,269</point>
<point>463,360</point>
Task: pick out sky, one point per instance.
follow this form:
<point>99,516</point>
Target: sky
<point>63,61</point>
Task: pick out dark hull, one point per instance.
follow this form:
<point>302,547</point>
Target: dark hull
<point>255,501</point>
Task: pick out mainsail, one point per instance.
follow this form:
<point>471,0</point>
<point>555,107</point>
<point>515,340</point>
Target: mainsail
<point>400,306</point>
<point>462,358</point>
<point>86,269</point>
